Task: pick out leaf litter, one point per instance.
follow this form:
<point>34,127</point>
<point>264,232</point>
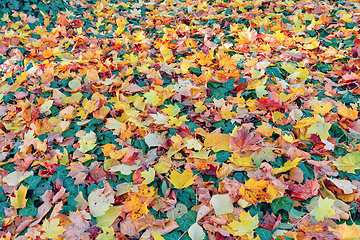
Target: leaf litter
<point>180,120</point>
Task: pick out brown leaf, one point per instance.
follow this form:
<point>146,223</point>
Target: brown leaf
<point>300,192</point>
<point>245,141</point>
<point>79,172</point>
<point>128,228</point>
<point>78,226</point>
<point>269,221</point>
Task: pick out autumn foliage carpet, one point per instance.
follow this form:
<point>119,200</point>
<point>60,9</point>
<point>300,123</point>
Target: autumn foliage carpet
<point>180,120</point>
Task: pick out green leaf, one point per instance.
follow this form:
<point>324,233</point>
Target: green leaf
<point>308,173</point>
<point>61,173</point>
<point>174,235</point>
<point>33,181</point>
<point>29,210</point>
<point>263,233</point>
<point>186,220</point>
<point>222,156</point>
<point>196,71</point>
<point>285,203</point>
<point>296,214</point>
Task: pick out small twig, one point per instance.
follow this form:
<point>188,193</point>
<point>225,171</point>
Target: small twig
<point>183,234</point>
<point>300,221</point>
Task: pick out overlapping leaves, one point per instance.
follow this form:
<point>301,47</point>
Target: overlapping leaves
<point>179,119</point>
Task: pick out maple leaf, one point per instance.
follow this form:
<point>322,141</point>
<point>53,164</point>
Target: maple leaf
<point>254,191</point>
<point>344,231</point>
<point>307,229</point>
<point>302,192</point>
<point>350,113</point>
<point>244,228</point>
<point>245,141</point>
<point>320,128</point>
<point>52,229</point>
<point>182,180</point>
<point>350,162</point>
<point>324,209</point>
<point>171,110</point>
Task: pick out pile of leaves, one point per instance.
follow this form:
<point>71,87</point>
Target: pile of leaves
<point>180,119</point>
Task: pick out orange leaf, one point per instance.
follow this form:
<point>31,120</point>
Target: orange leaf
<point>42,126</point>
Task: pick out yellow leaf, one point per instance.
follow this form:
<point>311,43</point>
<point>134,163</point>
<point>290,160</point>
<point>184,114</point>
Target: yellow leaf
<point>289,138</point>
<point>19,201</point>
<point>149,176</point>
<point>185,65</point>
<point>81,202</point>
<point>244,228</point>
<point>314,43</point>
<point>287,166</point>
<point>65,158</point>
<point>305,122</point>
<point>5,17</point>
<point>52,229</point>
<point>171,110</point>
<point>166,52</point>
<point>350,113</point>
<point>14,178</point>
<point>157,236</point>
<point>92,76</point>
<point>109,217</point>
<point>347,17</point>
<point>192,144</point>
<point>350,162</point>
<point>200,107</point>
<point>178,121</point>
<point>276,116</point>
<point>344,231</point>
<point>288,67</point>
<point>182,180</point>
<point>261,91</point>
<point>320,128</point>
<point>139,36</point>
<point>177,212</point>
<point>108,234</point>
<point>121,24</point>
<point>255,191</point>
<point>152,98</point>
<point>322,109</point>
<point>114,125</point>
<point>162,167</point>
<point>301,73</point>
<point>217,141</point>
<point>87,142</point>
<point>245,162</point>
<point>279,36</point>
<point>324,209</point>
